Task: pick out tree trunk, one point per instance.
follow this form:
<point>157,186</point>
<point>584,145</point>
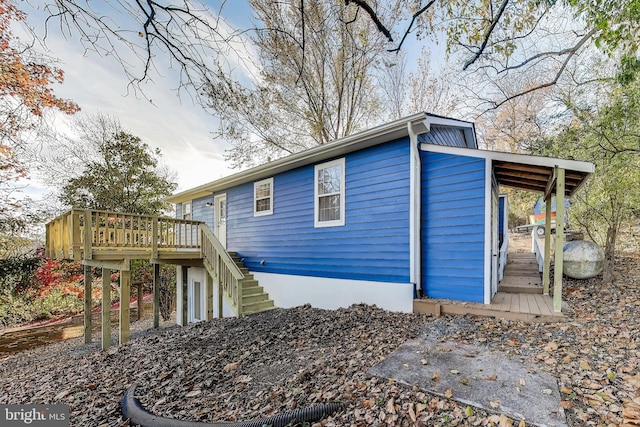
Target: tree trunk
<point>609,250</point>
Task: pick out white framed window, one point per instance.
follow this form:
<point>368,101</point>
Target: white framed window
<point>329,194</point>
<point>186,210</point>
<point>263,197</point>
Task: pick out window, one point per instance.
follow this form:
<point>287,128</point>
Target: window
<point>186,210</point>
<point>329,194</point>
<point>263,197</point>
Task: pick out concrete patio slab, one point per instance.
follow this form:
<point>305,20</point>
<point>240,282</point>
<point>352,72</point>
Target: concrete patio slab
<point>477,376</point>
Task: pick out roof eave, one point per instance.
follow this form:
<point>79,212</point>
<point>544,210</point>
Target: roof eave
<point>374,136</point>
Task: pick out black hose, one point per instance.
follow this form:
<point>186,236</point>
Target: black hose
<point>137,415</point>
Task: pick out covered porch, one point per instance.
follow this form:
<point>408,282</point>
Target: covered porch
<point>528,294</point>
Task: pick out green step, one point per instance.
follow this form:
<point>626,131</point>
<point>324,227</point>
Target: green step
<point>257,307</point>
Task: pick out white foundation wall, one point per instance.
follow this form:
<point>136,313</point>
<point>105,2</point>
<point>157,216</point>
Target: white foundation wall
<point>291,291</point>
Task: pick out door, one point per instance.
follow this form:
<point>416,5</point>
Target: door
<point>196,301</point>
<point>495,242</point>
<point>220,230</point>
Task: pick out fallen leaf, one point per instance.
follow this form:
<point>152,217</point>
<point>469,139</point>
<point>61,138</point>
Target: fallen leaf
<point>584,365</point>
<point>522,382</point>
<point>505,421</point>
<point>420,407</point>
<point>565,390</point>
<point>468,411</point>
<point>551,346</point>
<point>566,404</point>
<point>231,366</point>
<point>492,378</point>
<point>390,406</point>
<point>366,403</point>
<point>454,371</point>
<point>448,393</point>
<point>494,404</point>
<point>435,377</point>
<point>412,414</point>
<point>424,361</point>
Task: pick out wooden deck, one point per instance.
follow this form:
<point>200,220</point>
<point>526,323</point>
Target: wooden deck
<point>519,296</point>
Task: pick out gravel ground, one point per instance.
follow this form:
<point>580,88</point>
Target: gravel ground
<point>265,364</point>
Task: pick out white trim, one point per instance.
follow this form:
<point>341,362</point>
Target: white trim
<point>255,199</point>
<point>525,159</point>
<point>316,205</point>
<point>291,291</point>
<point>414,211</point>
<point>369,138</point>
<point>216,215</point>
<point>488,252</point>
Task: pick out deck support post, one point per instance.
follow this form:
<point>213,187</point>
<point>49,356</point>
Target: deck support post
<point>185,290</point>
<point>209,296</point>
<point>140,297</point>
<point>558,263</point>
<point>546,269</point>
<point>87,304</point>
<point>125,299</point>
<point>156,295</point>
<point>105,323</point>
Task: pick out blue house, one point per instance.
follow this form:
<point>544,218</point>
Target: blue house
<point>401,211</point>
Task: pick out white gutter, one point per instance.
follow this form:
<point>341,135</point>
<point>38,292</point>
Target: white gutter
<point>414,210</point>
<point>369,138</point>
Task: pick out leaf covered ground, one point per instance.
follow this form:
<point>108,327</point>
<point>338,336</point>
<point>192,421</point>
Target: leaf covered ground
<point>237,369</point>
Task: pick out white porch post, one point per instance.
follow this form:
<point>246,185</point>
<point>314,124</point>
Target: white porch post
<point>546,270</point>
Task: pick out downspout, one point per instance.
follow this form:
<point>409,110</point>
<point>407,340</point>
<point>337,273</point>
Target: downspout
<point>414,213</point>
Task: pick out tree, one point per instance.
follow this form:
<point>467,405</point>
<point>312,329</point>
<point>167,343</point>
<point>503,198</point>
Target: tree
<point>505,36</point>
<point>315,83</point>
<point>25,93</point>
<point>118,171</point>
<point>609,137</point>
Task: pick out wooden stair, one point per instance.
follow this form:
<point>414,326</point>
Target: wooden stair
<point>254,298</point>
<point>521,274</point>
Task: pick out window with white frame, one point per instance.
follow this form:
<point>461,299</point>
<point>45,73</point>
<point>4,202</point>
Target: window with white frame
<point>263,197</point>
<point>186,210</point>
<point>329,194</point>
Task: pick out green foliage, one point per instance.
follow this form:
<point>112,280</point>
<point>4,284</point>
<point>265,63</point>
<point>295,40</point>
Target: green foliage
<point>610,138</point>
<point>126,177</point>
<point>33,288</point>
<point>16,273</point>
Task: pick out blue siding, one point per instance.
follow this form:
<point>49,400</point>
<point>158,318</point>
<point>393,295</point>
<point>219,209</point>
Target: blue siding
<point>372,245</point>
<point>453,224</point>
<point>201,212</point>
<point>441,135</point>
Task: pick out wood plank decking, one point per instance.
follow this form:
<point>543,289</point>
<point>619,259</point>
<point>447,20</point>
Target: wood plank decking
<point>519,296</point>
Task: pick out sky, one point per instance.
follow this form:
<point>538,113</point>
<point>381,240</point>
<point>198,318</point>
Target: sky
<point>163,117</point>
<point>172,121</point>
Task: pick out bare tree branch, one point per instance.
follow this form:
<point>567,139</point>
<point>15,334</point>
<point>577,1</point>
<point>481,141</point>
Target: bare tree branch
<point>413,19</point>
<point>487,35</point>
<point>374,17</point>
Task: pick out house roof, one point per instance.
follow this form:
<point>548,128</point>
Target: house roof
<point>526,172</point>
<point>418,123</point>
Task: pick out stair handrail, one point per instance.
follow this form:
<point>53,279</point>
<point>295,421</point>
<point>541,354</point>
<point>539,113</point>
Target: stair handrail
<point>221,266</point>
<point>537,247</point>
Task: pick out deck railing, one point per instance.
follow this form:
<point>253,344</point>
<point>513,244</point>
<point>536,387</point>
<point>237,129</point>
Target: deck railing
<point>68,235</point>
<point>537,247</point>
<point>502,260</point>
<point>222,268</point>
